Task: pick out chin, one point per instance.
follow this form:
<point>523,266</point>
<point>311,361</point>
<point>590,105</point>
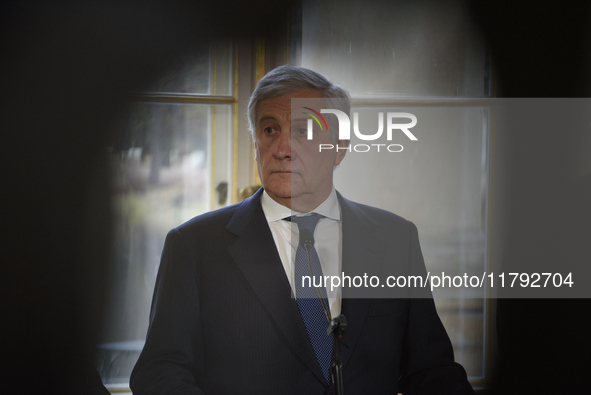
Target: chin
<point>280,192</point>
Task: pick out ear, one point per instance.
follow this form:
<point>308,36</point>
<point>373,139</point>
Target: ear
<point>342,144</point>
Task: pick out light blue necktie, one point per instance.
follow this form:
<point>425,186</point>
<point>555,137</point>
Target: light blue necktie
<point>307,297</point>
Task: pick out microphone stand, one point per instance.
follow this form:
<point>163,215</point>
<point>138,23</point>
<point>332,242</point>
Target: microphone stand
<point>336,326</point>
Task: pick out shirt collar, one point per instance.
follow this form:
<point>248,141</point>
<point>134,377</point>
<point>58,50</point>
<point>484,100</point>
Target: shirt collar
<point>275,212</point>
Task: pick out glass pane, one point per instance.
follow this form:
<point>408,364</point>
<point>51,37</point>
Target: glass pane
<point>223,60</point>
<point>206,70</point>
<point>395,48</point>
<point>223,158</point>
<point>439,182</point>
<point>162,162</point>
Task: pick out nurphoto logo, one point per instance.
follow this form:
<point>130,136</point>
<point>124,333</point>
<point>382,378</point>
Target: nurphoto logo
<point>392,124</point>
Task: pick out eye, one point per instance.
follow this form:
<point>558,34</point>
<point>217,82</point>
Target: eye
<point>269,130</point>
<point>302,132</point>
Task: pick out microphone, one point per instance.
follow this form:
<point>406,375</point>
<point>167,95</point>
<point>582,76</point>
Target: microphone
<point>307,240</point>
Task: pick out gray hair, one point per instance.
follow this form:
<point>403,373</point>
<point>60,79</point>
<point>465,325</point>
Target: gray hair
<point>287,79</point>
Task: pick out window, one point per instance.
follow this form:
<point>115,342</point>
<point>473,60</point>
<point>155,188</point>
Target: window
<point>424,58</point>
<point>175,156</point>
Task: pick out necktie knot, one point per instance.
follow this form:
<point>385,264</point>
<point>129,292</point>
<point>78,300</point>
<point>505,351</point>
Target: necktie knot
<point>308,222</point>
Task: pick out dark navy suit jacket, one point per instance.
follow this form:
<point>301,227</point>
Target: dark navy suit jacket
<point>223,320</point>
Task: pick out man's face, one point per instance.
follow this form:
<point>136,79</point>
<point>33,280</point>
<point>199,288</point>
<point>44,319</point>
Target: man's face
<point>292,170</point>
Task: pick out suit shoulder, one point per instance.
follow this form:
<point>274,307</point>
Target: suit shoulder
<point>382,217</point>
<point>210,222</point>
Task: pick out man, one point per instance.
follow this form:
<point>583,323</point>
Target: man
<point>224,317</point>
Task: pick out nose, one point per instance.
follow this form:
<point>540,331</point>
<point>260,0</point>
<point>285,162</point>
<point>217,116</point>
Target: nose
<point>282,149</point>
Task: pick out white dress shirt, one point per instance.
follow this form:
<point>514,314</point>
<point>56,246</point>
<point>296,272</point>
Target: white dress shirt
<point>327,240</point>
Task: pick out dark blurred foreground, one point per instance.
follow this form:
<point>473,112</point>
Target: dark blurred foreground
<point>542,49</point>
<point>66,71</point>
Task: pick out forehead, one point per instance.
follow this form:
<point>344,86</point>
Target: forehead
<point>279,107</point>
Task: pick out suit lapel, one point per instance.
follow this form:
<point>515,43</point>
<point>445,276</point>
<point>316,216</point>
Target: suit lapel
<point>256,255</point>
<point>360,254</point>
